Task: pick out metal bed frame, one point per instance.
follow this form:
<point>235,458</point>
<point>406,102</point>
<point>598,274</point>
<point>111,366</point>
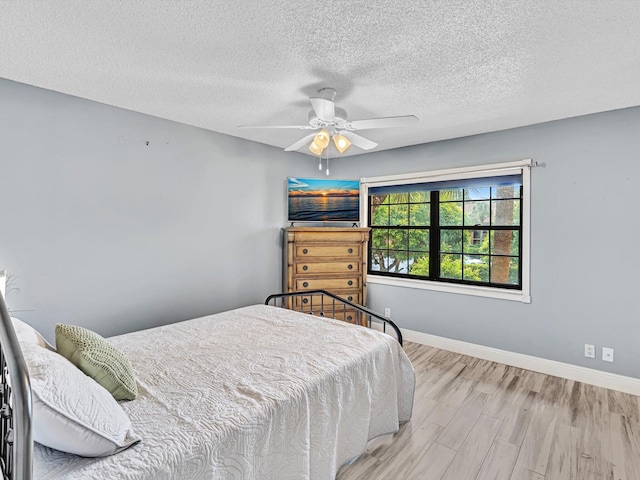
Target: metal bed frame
<point>16,438</point>
<point>16,442</point>
<point>326,304</point>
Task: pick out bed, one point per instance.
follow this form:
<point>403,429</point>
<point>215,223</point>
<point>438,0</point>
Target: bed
<point>259,392</point>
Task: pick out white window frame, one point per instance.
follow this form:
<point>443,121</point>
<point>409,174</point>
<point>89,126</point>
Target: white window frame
<point>516,167</point>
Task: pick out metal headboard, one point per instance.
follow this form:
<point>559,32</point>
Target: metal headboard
<point>16,442</point>
<point>326,304</point>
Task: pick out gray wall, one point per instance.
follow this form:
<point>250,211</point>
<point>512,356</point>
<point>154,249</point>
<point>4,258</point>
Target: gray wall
<point>585,233</point>
<point>102,230</point>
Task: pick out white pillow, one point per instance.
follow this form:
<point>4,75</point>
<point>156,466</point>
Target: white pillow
<point>27,334</point>
<point>71,412</point>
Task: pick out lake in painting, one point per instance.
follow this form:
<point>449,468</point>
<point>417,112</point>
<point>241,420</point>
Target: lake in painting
<point>319,200</point>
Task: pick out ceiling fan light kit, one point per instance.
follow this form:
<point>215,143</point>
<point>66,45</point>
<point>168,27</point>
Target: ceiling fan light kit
<point>334,125</point>
<point>321,141</point>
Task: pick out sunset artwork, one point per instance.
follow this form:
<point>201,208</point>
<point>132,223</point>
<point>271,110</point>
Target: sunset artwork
<point>323,200</point>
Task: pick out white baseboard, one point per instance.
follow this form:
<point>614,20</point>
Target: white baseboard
<point>549,367</point>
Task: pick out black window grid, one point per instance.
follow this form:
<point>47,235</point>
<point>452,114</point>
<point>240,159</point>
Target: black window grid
<point>435,230</point>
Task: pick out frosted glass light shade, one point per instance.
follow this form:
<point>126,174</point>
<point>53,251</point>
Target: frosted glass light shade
<point>341,142</point>
<point>322,139</point>
<point>315,149</point>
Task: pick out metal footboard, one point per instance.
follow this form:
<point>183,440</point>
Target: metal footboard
<point>325,304</point>
<point>16,447</point>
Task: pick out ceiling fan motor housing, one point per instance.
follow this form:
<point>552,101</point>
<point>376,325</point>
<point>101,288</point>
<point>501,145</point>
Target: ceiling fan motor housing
<point>340,120</point>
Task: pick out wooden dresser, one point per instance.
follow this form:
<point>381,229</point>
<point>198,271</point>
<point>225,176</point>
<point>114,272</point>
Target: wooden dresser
<point>327,258</point>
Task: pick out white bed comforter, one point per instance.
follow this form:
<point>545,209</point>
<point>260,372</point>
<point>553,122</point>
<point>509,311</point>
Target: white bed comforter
<point>254,393</point>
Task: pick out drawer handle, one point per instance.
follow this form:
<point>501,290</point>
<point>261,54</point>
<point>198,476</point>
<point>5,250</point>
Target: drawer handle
<point>305,284</point>
<point>350,298</point>
<point>351,250</point>
<point>305,268</point>
<point>350,267</point>
<point>305,300</point>
<point>349,317</point>
<point>305,251</point>
<point>350,282</point>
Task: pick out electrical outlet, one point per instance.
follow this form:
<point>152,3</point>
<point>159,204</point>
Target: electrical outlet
<point>589,351</point>
<point>607,354</point>
<point>387,312</point>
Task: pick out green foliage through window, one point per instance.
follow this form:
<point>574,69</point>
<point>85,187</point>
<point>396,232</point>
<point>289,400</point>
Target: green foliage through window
<point>459,235</point>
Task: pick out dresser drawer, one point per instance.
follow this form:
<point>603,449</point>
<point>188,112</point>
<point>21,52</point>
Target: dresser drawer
<point>327,283</point>
<point>331,235</point>
<point>346,251</point>
<point>314,301</point>
<point>304,268</point>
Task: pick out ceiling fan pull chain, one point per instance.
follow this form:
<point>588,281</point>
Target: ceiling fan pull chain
<point>327,164</point>
<point>320,164</point>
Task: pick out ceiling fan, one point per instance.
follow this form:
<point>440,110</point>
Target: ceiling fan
<point>333,124</point>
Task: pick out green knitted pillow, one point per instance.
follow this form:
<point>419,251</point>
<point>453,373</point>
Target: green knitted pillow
<point>98,359</point>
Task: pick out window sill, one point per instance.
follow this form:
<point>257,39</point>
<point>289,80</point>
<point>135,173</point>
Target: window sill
<point>488,292</point>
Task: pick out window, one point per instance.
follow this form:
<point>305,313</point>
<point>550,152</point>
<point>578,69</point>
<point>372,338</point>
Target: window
<point>460,230</point>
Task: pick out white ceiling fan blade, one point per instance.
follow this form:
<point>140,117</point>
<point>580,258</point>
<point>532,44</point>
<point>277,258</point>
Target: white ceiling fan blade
<point>384,122</point>
<point>299,127</point>
<point>359,141</point>
<point>325,109</point>
<point>300,143</point>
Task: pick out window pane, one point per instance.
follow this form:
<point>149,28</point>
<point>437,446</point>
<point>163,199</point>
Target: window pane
<point>451,241</point>
<point>479,193</point>
<point>505,212</point>
<point>505,270</point>
<point>451,195</point>
<point>476,241</point>
<point>476,268</point>
<point>506,191</point>
<point>419,240</point>
<point>379,215</point>
<point>420,197</point>
<point>379,239</point>
<point>398,262</point>
<point>379,199</point>
<point>379,259</point>
<point>476,213</point>
<point>399,214</point>
<point>451,214</point>
<point>388,261</point>
<point>398,239</point>
<point>395,198</point>
<point>419,264</point>
<point>451,266</point>
<point>505,242</point>
<point>419,214</point>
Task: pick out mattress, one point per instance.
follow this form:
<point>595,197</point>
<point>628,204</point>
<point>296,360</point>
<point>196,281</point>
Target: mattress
<point>254,393</point>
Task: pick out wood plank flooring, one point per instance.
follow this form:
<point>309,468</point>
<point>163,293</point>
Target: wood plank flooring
<point>479,420</point>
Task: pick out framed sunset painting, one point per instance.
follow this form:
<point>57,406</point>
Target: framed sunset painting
<point>323,200</point>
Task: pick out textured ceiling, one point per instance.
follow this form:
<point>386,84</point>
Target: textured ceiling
<point>461,66</point>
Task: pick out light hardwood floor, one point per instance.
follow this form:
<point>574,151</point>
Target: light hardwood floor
<point>478,420</point>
